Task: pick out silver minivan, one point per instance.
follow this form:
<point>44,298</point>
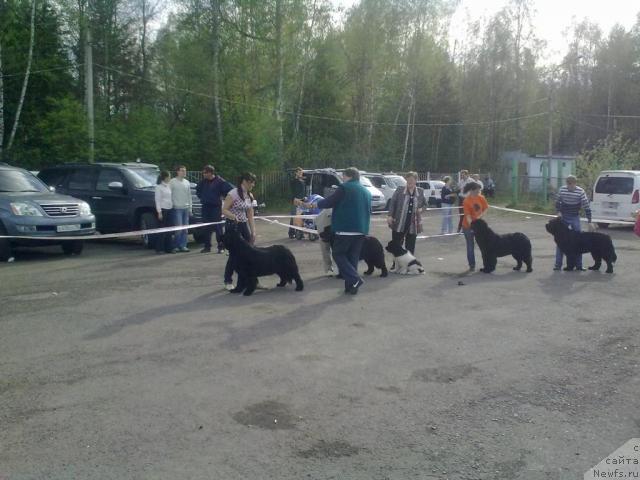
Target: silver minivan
<point>616,196</point>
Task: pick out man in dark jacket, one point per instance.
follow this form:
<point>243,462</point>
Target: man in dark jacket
<point>211,190</point>
<point>350,220</point>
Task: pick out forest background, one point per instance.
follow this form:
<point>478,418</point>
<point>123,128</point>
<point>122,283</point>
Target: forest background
<point>263,85</point>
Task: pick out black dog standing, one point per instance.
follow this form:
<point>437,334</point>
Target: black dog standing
<point>493,246</point>
<point>573,243</point>
<point>253,262</point>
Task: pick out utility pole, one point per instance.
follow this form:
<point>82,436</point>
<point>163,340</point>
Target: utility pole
<point>88,82</point>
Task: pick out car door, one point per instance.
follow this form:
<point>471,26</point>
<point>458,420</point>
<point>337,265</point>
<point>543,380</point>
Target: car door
<point>80,183</point>
<point>111,205</point>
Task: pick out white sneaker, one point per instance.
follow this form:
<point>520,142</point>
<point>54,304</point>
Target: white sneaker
<point>329,272</point>
<point>228,286</point>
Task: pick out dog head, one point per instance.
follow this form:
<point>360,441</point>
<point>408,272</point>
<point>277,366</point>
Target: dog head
<point>231,236</point>
<point>479,226</point>
<point>395,249</point>
<point>556,226</point>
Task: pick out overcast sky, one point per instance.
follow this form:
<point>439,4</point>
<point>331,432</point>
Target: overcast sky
<point>551,19</point>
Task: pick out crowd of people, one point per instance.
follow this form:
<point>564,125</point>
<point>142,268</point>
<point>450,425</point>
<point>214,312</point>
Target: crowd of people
<point>346,211</point>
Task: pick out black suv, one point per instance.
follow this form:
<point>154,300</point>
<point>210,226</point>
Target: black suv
<point>121,195</point>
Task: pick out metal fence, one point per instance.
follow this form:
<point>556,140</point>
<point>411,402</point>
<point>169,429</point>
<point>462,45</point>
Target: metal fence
<point>275,185</point>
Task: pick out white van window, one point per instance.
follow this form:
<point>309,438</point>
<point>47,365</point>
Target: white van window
<point>615,185</point>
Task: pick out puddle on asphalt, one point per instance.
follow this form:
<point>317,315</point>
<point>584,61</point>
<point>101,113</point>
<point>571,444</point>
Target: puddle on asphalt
<point>268,415</point>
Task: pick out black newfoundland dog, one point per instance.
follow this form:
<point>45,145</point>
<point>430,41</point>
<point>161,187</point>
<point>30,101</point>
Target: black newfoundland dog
<point>253,262</point>
<point>373,255</point>
<point>372,252</point>
<point>493,246</point>
<point>572,244</point>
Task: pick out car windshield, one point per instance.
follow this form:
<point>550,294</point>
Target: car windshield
<point>397,181</point>
<point>365,181</point>
<point>615,185</point>
<point>19,181</point>
<point>143,177</point>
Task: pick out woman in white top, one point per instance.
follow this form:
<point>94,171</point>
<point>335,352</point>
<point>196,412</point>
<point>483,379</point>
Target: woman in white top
<point>164,241</point>
<point>238,210</point>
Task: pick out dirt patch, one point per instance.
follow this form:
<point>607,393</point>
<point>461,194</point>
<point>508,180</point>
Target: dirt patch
<point>269,415</point>
<point>389,389</point>
<point>324,449</point>
<point>443,374</point>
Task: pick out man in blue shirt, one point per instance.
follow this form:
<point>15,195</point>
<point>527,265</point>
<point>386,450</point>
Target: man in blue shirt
<point>211,190</point>
<point>569,201</point>
<point>351,204</point>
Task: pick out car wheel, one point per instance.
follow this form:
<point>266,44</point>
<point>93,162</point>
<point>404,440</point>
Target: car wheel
<point>148,221</point>
<point>73,247</point>
<point>602,225</point>
<point>5,246</point>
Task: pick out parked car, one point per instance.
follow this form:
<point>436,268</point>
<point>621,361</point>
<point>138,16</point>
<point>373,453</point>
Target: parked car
<point>432,189</point>
<point>616,195</point>
<point>28,208</point>
<point>387,183</point>
<point>323,181</point>
<point>121,195</point>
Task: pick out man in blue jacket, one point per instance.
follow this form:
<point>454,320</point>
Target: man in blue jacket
<point>351,205</point>
<point>211,190</point>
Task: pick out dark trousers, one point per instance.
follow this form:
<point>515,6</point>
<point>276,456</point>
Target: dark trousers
<point>243,229</point>
<point>212,213</point>
<point>460,211</point>
<point>407,239</point>
<point>293,211</point>
<point>164,241</point>
<point>346,253</point>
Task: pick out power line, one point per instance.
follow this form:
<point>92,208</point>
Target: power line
<point>44,70</point>
<point>322,117</point>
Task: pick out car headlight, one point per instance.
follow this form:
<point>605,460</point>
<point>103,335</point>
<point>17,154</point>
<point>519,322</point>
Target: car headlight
<point>25,209</point>
<point>85,209</point>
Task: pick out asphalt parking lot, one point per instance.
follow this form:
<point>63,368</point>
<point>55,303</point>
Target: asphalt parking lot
<point>121,364</point>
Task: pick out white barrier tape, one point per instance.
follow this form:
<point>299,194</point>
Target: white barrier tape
<point>422,237</point>
<point>593,220</point>
<point>99,236</point>
<point>294,227</point>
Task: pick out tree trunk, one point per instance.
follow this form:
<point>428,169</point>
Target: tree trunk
<point>26,77</point>
<point>216,70</point>
<point>1,104</point>
<point>280,81</point>
<point>406,136</point>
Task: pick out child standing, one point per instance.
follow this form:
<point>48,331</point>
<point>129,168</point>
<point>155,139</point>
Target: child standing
<point>473,207</point>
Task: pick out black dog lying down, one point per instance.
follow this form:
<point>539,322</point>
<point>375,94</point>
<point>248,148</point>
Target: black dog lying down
<point>253,262</point>
<point>372,252</point>
<point>493,246</point>
<point>572,244</point>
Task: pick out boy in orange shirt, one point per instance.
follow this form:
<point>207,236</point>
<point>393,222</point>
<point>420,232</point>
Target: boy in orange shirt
<point>473,207</point>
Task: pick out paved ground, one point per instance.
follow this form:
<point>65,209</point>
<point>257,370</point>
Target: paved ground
<point>121,364</point>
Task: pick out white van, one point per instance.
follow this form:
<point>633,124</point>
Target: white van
<point>616,195</point>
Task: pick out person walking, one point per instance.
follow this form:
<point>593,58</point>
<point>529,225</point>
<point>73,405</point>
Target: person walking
<point>464,179</point>
<point>211,190</point>
<point>448,197</point>
<point>474,207</point>
<point>238,210</point>
<point>298,193</point>
<point>350,219</point>
<point>181,198</point>
<point>405,208</point>
<point>164,241</point>
<point>570,200</point>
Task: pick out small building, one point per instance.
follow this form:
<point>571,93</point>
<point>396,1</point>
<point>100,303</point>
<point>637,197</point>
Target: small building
<point>531,170</point>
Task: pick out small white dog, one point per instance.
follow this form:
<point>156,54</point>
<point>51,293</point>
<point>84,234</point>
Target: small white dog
<point>405,263</point>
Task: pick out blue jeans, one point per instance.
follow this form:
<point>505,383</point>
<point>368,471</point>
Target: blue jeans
<point>180,217</point>
<point>346,253</point>
<point>469,238</point>
<point>574,224</point>
<point>447,219</point>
